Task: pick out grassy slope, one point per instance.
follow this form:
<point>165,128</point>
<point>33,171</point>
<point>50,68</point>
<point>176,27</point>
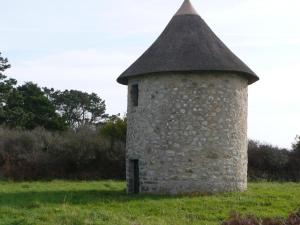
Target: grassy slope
<point>76,203</point>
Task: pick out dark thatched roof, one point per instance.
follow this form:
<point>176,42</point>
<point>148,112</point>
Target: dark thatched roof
<point>187,45</point>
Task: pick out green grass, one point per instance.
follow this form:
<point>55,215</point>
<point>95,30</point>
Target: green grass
<point>105,202</point>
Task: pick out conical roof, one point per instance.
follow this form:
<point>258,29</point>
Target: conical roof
<point>187,45</point>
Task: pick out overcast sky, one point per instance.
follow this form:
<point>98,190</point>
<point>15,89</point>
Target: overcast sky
<point>85,45</point>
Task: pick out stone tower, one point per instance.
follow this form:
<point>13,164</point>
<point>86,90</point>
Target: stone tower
<point>187,112</point>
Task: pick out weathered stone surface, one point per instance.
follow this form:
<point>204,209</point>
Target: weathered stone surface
<point>189,133</point>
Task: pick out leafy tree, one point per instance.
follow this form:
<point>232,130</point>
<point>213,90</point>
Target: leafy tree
<point>296,146</point>
<point>14,114</point>
<point>294,166</point>
<point>115,128</point>
<point>6,86</point>
<point>78,108</point>
<point>4,65</point>
<point>28,107</point>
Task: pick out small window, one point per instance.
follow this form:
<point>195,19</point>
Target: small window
<point>135,95</point>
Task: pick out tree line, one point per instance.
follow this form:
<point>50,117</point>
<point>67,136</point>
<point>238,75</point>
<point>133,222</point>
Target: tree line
<point>268,162</point>
<point>29,106</point>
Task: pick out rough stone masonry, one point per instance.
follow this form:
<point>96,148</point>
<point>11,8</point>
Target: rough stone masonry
<point>189,133</point>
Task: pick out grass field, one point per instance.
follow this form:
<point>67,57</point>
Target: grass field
<point>105,202</point>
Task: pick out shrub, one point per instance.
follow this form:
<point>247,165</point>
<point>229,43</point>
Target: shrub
<point>294,165</point>
<point>239,220</point>
<point>271,163</point>
<point>235,219</point>
<point>40,154</point>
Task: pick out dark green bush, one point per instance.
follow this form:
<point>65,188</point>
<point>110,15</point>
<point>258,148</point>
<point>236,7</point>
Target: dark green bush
<point>40,154</point>
<point>271,163</point>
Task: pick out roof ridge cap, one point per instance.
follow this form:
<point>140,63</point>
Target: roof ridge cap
<point>186,9</point>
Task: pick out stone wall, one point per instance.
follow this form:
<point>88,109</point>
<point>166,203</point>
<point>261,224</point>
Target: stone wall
<point>189,133</point>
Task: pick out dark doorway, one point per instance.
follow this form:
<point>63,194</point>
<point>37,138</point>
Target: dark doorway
<point>135,176</point>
